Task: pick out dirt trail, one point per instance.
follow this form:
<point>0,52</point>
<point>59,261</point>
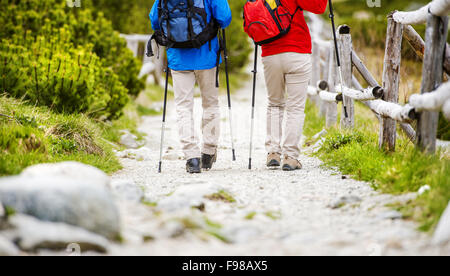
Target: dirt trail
<point>272,213</point>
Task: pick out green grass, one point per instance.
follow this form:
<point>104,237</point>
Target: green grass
<point>250,215</point>
<point>221,196</point>
<point>111,131</point>
<point>313,122</point>
<point>145,111</point>
<point>273,215</point>
<point>155,93</point>
<point>30,135</point>
<point>355,153</point>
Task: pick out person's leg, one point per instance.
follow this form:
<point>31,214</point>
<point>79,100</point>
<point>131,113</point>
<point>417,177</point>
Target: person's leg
<point>211,112</point>
<point>183,84</point>
<point>275,82</point>
<point>298,68</point>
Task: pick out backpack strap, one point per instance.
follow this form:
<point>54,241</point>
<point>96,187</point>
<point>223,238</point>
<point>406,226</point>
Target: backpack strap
<point>190,14</point>
<point>164,14</point>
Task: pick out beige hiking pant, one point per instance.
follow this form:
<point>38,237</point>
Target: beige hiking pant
<point>184,84</point>
<point>286,73</point>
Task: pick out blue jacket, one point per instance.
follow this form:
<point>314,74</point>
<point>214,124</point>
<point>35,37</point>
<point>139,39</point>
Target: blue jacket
<point>197,59</point>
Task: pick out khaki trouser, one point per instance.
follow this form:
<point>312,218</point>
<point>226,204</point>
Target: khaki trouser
<point>286,73</point>
<point>184,83</point>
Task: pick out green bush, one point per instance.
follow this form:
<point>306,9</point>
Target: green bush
<point>89,28</point>
<point>126,16</point>
<point>65,79</point>
<point>69,59</point>
<point>237,41</point>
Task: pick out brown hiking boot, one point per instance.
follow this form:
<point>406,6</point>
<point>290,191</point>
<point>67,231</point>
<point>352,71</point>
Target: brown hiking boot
<point>273,160</point>
<point>291,164</point>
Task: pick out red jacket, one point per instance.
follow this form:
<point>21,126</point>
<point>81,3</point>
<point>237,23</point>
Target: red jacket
<point>298,40</point>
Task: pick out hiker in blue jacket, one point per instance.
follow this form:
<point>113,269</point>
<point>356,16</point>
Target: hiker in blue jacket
<point>189,66</point>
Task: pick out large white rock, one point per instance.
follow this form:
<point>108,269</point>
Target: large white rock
<point>129,140</point>
<point>442,233</point>
<point>81,199</point>
<point>70,170</point>
<point>7,248</point>
<point>32,235</point>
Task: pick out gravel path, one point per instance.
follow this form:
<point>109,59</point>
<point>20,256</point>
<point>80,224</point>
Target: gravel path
<point>273,213</point>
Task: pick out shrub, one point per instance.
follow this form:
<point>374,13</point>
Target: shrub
<point>65,79</point>
<point>64,58</point>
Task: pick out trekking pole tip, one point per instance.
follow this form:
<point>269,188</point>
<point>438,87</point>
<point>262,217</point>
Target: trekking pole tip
<point>234,155</point>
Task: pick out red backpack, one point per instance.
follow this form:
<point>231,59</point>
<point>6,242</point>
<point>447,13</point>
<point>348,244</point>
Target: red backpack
<point>264,22</point>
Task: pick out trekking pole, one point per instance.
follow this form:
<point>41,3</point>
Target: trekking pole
<point>163,127</point>
<point>338,60</point>
<point>225,54</point>
<point>255,71</point>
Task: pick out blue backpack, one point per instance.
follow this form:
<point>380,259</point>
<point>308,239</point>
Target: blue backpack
<point>184,24</point>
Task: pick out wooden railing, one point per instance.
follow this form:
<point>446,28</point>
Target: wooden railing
<point>383,99</point>
<point>150,66</point>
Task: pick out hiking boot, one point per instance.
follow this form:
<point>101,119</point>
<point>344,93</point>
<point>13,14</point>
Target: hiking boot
<point>208,160</point>
<point>291,164</point>
<point>193,165</point>
<point>273,160</point>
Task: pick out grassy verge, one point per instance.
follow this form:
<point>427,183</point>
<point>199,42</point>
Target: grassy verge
<point>356,154</point>
<point>30,135</point>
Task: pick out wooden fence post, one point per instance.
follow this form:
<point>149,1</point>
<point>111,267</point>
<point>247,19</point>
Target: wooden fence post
<point>435,44</point>
<point>331,108</point>
<point>391,81</point>
<point>345,52</point>
<point>133,45</point>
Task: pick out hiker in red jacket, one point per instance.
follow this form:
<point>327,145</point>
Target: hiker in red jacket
<point>287,69</point>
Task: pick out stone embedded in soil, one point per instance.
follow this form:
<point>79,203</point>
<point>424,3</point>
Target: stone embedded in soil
<point>3,216</point>
<point>188,196</point>
<point>7,248</point>
<point>392,215</point>
<point>241,233</point>
<point>82,200</point>
<point>33,235</point>
<point>129,140</point>
<point>126,189</point>
<point>442,233</point>
<point>344,200</point>
<point>172,156</point>
<point>142,154</point>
